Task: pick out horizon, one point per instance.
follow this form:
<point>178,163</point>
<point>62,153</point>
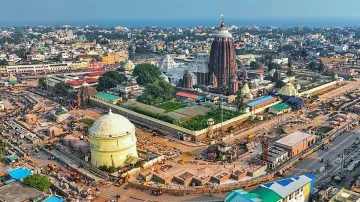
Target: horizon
<point>186,22</point>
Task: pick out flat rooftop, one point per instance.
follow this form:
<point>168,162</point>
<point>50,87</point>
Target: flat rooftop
<point>107,96</point>
<point>259,100</point>
<point>17,191</point>
<point>294,138</point>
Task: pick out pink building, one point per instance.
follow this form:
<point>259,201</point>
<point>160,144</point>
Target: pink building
<point>341,71</point>
<point>96,65</point>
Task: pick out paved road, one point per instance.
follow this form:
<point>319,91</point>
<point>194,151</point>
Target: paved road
<point>335,148</point>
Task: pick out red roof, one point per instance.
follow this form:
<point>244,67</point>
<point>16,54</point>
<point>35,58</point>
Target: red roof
<point>96,73</point>
<point>78,82</point>
<point>186,94</point>
<point>261,70</point>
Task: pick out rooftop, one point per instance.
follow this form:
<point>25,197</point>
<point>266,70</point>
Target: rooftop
<point>107,96</point>
<point>19,173</point>
<point>294,138</point>
<point>78,82</point>
<point>259,100</point>
<point>188,95</point>
<point>345,195</point>
<point>281,106</point>
<point>17,191</point>
<point>96,73</point>
<point>271,192</point>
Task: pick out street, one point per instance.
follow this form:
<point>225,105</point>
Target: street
<point>336,148</point>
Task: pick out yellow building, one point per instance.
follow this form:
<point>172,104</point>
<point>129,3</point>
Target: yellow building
<point>115,57</point>
<point>2,106</point>
<point>112,141</point>
<point>3,69</point>
<point>160,47</point>
<point>329,60</point>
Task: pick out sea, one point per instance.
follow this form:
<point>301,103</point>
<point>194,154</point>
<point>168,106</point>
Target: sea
<point>184,23</point>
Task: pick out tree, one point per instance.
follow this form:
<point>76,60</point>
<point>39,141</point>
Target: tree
<point>42,82</point>
<point>303,53</point>
<point>239,101</point>
<point>268,59</point>
<point>273,65</point>
<point>255,65</point>
<point>4,62</point>
<point>157,92</point>
<point>290,73</point>
<point>3,149</point>
<point>312,66</point>
<point>38,181</point>
<point>321,66</point>
<point>146,73</point>
<point>61,89</point>
<point>290,63</point>
<point>110,80</point>
<point>279,84</point>
<point>121,69</point>
<point>288,48</point>
<point>239,63</point>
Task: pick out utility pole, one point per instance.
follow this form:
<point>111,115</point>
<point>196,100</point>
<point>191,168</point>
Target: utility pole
<point>222,114</point>
<point>223,91</point>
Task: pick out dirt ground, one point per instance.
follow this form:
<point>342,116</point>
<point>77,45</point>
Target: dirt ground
<point>339,91</point>
<point>86,112</point>
<point>166,142</point>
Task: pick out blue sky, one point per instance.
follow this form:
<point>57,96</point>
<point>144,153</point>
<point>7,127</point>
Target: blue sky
<point>70,10</point>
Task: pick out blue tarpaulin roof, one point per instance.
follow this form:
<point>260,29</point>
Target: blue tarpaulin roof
<point>53,199</point>
<point>19,173</point>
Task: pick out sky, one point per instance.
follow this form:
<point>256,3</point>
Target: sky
<point>122,10</point>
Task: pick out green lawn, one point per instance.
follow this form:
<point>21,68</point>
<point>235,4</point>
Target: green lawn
<point>200,122</point>
<point>324,129</point>
<point>171,106</point>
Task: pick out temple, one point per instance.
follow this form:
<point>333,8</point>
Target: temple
<point>222,57</point>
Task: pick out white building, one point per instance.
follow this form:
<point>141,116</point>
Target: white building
<point>200,64</point>
<point>341,49</point>
<point>276,156</point>
<point>167,64</point>
<point>65,55</point>
<point>126,88</point>
<point>14,58</point>
<point>32,69</point>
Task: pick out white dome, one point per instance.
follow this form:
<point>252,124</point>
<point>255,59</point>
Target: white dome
<point>111,125</point>
<point>223,34</point>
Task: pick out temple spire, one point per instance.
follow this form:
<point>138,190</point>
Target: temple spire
<point>222,25</point>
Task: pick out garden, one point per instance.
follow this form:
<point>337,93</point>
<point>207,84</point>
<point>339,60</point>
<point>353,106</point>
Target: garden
<point>171,106</point>
<point>200,122</point>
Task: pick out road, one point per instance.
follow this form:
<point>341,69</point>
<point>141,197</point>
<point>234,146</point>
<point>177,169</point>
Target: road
<point>336,147</point>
